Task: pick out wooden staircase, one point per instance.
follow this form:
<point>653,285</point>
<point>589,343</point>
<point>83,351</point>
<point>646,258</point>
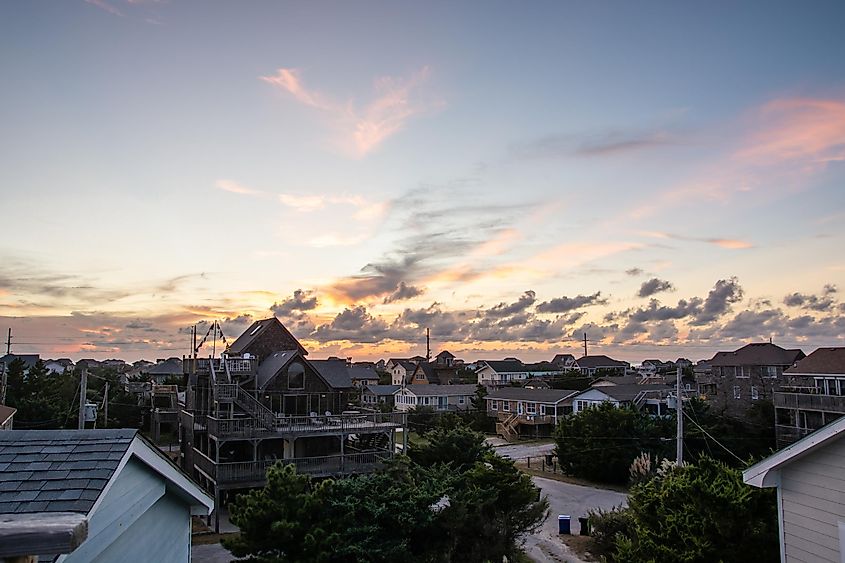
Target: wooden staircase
<point>247,402</point>
<point>507,428</point>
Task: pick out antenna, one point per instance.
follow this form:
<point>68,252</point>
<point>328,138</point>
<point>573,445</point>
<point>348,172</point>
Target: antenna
<point>427,344</point>
<point>9,342</point>
<point>585,344</point>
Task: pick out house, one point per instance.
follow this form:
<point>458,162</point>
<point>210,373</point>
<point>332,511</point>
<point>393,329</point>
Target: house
<point>163,371</point>
<point>444,359</point>
<point>752,373</point>
<point>563,361</point>
<point>244,412</point>
<point>593,365</point>
<point>363,376</point>
<point>59,366</point>
<point>7,416</point>
<point>137,502</point>
<point>522,411</point>
<point>811,395</point>
<point>810,479</point>
<point>400,369</point>
<point>89,363</point>
<point>649,397</point>
<point>373,395</point>
<point>439,397</point>
<point>494,374</point>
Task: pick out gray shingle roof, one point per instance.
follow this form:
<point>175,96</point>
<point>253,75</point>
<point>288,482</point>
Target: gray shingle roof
<point>758,354</point>
<point>506,366</point>
<point>538,395</point>
<point>599,361</point>
<point>628,392</point>
<point>452,390</point>
<point>334,372</point>
<point>271,365</point>
<point>382,390</point>
<point>822,361</point>
<point>361,372</point>
<point>58,470</point>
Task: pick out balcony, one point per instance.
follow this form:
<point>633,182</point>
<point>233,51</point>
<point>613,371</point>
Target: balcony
<point>810,402</point>
<point>788,434</point>
<point>526,418</point>
<point>302,426</point>
<point>254,473</point>
<point>239,368</point>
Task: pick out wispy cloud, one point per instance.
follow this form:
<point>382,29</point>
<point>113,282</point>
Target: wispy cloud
<point>733,244</point>
<point>103,5</point>
<point>361,129</point>
<point>236,188</point>
<point>609,143</point>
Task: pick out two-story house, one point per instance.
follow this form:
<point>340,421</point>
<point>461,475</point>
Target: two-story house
<point>745,376</point>
<point>812,396</point>
<point>264,401</point>
<point>600,364</point>
<point>494,374</point>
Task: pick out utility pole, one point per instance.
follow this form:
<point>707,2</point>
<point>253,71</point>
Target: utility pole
<point>427,344</point>
<point>585,343</point>
<point>83,392</point>
<point>679,414</point>
<point>106,406</point>
<point>9,342</point>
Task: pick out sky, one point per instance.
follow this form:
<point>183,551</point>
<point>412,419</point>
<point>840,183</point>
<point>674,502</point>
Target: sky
<point>666,178</point>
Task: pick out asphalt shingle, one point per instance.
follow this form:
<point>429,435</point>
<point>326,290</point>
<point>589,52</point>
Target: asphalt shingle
<point>58,470</point>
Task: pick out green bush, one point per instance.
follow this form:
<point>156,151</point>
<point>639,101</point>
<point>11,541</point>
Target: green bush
<point>606,525</point>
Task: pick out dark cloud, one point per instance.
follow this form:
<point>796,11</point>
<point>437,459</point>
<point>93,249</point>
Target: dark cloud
<point>354,325</point>
<point>653,286</point>
<point>525,301</point>
<point>719,301</point>
<point>301,301</point>
<point>565,304</point>
<point>823,303</point>
<point>402,292</point>
<point>634,272</point>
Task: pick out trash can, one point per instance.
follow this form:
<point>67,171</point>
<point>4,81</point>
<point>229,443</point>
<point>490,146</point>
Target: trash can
<point>563,524</point>
<point>585,525</point>
<point>549,459</point>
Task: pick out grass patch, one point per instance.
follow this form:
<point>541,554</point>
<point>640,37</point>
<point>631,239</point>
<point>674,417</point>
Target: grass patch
<point>582,546</point>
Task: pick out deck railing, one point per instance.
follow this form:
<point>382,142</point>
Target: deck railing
<point>320,466</point>
<point>340,424</point>
<point>237,366</point>
<point>810,402</point>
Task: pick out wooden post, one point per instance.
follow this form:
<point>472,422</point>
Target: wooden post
<point>83,392</point>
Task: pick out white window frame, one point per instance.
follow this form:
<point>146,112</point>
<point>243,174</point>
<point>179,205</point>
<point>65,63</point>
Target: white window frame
<point>461,400</point>
<point>741,372</point>
<point>531,408</point>
<point>542,410</point>
<point>494,405</point>
<point>755,393</point>
<point>771,371</point>
<point>506,406</point>
<point>737,392</point>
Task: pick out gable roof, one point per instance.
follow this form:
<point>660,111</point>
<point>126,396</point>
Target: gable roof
<point>821,361</point>
<point>434,389</point>
<point>599,361</point>
<point>757,354</point>
<point>68,470</point>
<point>429,371</point>
<point>627,392</point>
<point>271,365</point>
<point>763,473</point>
<point>445,354</point>
<point>538,395</point>
<point>382,390</point>
<point>170,366</point>
<point>254,331</point>
<point>563,357</point>
<point>361,372</point>
<point>505,366</point>
<point>335,372</point>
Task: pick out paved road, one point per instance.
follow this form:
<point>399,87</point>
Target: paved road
<point>573,500</point>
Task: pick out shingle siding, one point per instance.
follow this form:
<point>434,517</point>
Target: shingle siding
<point>813,494</point>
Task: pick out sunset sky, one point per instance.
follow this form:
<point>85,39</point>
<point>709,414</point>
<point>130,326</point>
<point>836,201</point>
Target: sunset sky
<point>667,177</point>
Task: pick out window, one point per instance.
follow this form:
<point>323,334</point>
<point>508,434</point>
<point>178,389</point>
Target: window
<point>531,408</point>
<point>461,400</point>
<point>494,405</point>
<point>772,371</point>
<point>737,394</point>
<point>754,393</point>
<point>543,410</point>
<point>296,376</point>
<point>420,376</point>
<point>506,406</point>
<point>741,372</point>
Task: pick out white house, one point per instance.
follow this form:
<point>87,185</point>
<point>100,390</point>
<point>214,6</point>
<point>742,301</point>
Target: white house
<point>648,396</point>
<point>499,373</point>
<point>810,479</point>
<point>137,502</point>
<point>400,370</point>
<point>439,397</point>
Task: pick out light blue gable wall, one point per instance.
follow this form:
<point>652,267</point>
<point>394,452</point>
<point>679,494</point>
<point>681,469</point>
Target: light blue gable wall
<point>593,395</point>
<point>137,520</point>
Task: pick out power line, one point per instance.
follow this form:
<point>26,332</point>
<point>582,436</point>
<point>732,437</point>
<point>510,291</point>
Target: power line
<point>724,447</point>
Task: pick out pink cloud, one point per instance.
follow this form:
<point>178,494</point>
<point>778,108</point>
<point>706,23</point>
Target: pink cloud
<point>103,5</point>
<point>797,129</point>
<point>361,129</point>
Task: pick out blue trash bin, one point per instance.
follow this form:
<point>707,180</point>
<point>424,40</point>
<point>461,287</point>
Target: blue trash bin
<point>563,526</point>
